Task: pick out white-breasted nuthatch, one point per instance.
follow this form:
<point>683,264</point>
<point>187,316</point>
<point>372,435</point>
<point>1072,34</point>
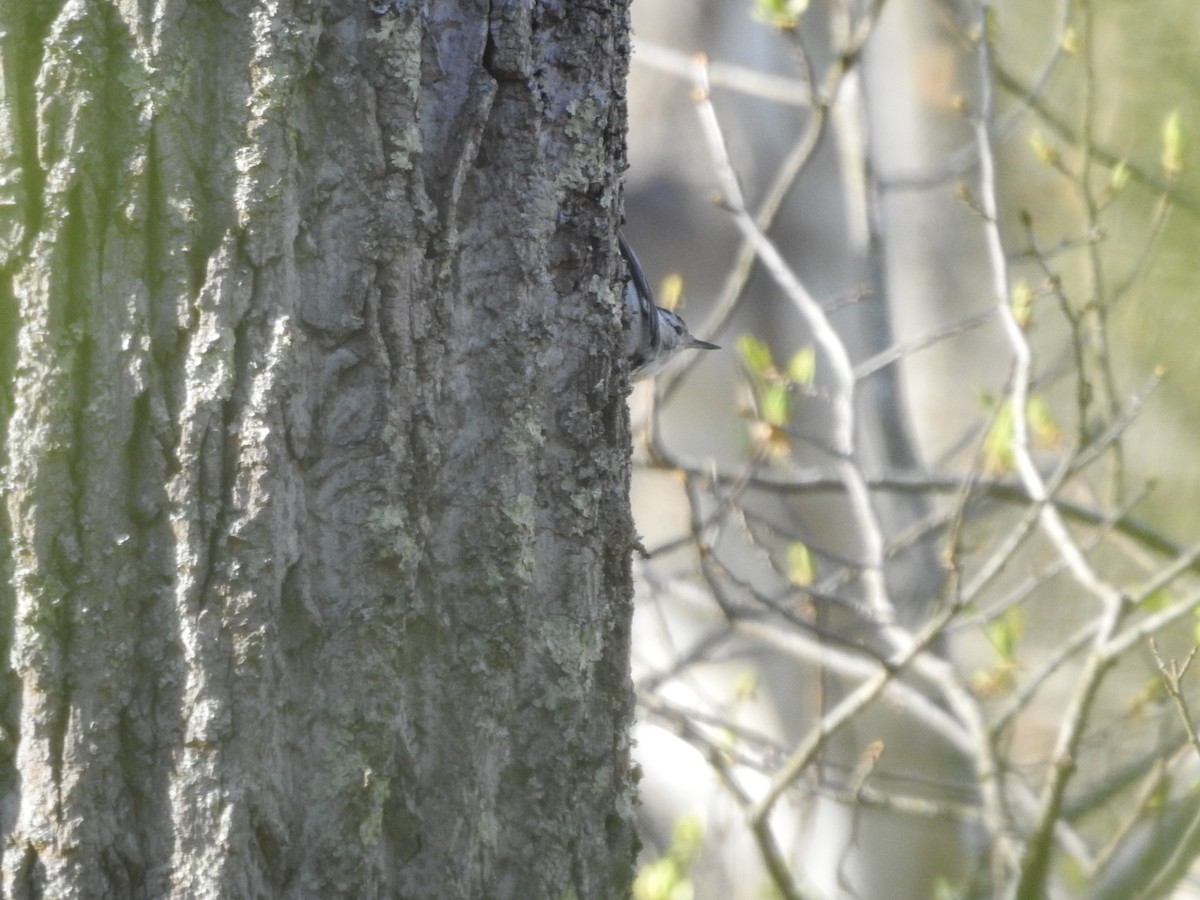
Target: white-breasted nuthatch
<point>653,336</point>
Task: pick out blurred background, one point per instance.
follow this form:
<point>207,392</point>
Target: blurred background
<point>870,166</point>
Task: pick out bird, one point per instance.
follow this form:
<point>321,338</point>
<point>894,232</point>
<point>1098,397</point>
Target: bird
<point>653,336</point>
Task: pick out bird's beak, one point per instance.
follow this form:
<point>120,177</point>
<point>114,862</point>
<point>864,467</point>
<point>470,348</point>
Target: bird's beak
<point>698,344</point>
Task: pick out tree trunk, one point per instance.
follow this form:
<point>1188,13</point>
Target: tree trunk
<point>315,557</point>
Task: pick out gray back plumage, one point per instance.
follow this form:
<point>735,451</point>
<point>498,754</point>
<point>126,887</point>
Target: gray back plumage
<point>653,336</point>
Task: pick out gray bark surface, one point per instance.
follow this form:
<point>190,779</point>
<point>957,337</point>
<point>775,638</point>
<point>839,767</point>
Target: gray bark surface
<point>314,554</point>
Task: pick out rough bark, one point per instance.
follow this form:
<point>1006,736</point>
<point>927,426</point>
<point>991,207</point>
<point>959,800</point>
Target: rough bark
<point>315,557</point>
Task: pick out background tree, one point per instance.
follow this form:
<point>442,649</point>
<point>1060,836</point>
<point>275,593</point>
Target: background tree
<point>315,550</point>
<point>901,620</point>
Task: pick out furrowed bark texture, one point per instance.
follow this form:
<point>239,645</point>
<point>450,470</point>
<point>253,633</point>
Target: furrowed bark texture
<point>315,542</point>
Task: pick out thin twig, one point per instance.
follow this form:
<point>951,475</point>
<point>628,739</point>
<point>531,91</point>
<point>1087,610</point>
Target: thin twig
<point>827,339</point>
